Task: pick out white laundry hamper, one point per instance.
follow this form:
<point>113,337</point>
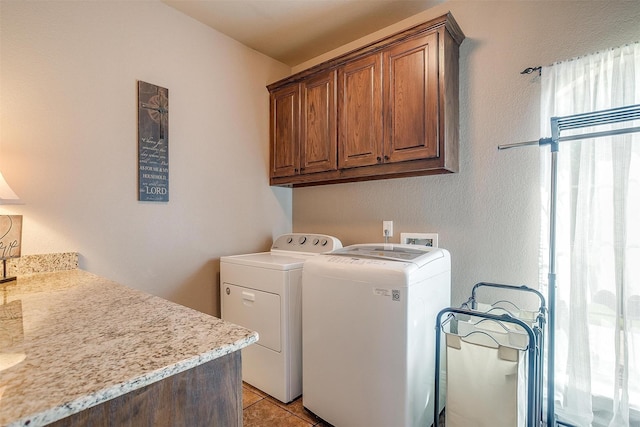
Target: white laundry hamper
<point>486,377</point>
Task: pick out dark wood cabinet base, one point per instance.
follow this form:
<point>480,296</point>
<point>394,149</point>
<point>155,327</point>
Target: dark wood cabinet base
<point>207,395</point>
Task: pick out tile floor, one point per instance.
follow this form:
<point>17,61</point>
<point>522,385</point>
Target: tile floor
<point>262,410</point>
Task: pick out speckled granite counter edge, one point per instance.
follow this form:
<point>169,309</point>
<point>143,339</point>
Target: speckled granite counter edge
<point>43,263</point>
<point>61,262</point>
<point>85,402</point>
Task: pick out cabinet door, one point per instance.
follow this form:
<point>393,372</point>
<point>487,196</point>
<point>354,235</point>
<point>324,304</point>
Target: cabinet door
<point>285,119</point>
<point>318,135</point>
<point>360,107</point>
<point>411,96</point>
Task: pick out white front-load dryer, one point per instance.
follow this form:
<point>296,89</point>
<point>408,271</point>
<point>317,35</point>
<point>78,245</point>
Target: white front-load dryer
<point>369,316</point>
<point>262,292</point>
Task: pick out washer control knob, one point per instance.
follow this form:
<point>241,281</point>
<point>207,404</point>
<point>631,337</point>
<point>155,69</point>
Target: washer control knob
<point>324,242</point>
<point>289,239</point>
<point>316,241</point>
<point>302,239</point>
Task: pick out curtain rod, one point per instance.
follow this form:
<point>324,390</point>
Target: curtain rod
<point>539,68</point>
<point>532,69</point>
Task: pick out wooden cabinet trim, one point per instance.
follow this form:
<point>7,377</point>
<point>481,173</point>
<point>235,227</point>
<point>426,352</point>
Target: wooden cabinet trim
<point>367,173</point>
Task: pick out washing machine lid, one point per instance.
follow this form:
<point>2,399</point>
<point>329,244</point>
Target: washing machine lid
<point>391,252</point>
<point>271,261</point>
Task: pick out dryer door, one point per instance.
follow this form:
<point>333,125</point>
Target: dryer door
<point>255,310</point>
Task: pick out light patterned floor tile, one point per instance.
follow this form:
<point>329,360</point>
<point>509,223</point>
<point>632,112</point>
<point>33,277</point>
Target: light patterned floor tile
<point>267,414</point>
<point>297,409</point>
<point>249,398</point>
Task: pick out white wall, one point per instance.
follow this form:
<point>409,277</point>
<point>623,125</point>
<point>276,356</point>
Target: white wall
<point>68,73</point>
<point>68,147</point>
<point>486,215</point>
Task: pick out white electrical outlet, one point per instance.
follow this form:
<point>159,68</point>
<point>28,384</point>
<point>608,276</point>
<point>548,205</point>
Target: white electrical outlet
<point>387,228</point>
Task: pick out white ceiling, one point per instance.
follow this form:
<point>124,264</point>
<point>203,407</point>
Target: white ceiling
<point>294,31</point>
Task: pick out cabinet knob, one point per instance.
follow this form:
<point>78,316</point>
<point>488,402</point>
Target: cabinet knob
<point>379,159</point>
<point>386,157</point>
<point>296,170</point>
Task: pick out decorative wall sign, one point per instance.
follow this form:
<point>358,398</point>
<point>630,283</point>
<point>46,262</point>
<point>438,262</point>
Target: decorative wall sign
<point>153,143</point>
<point>10,236</point>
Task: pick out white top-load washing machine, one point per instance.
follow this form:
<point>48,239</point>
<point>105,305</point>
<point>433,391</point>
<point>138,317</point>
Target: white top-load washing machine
<point>262,292</point>
<point>368,323</point>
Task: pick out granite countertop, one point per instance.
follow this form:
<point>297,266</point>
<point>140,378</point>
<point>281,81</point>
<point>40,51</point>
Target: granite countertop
<point>70,340</point>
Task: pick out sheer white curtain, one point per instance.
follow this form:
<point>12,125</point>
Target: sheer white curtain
<point>597,334</point>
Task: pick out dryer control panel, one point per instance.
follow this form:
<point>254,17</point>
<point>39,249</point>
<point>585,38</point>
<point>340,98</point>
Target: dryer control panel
<point>307,243</point>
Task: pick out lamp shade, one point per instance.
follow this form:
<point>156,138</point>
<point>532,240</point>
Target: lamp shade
<point>7,196</point>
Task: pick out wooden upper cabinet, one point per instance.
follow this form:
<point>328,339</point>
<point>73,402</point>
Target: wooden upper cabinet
<point>386,110</point>
<point>318,135</point>
<point>408,104</point>
<point>360,106</point>
<point>303,127</point>
<point>411,100</point>
<point>285,121</point>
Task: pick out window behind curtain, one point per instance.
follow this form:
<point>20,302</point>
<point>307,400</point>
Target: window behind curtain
<point>598,242</point>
